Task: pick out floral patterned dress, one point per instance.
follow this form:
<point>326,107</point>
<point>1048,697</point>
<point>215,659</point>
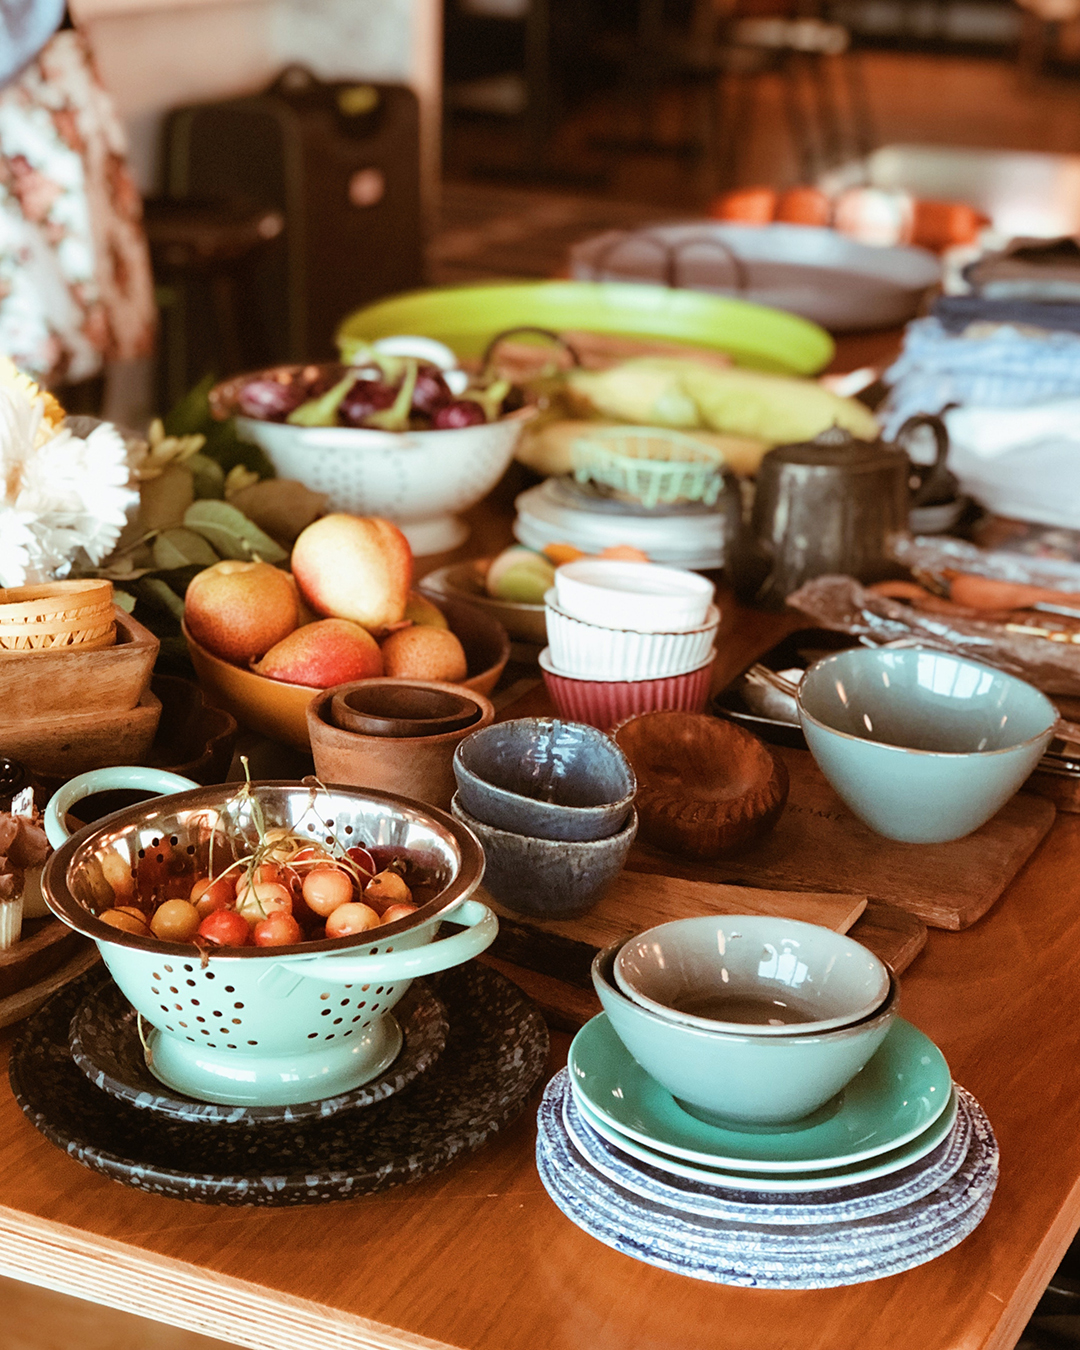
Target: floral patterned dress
<point>75,283</point>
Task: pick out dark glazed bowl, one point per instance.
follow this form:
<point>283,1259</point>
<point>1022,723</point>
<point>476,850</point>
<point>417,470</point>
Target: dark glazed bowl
<point>548,878</point>
<point>546,778</point>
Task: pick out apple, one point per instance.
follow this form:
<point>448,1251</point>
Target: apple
<point>239,610</point>
<point>423,653</point>
<point>329,651</point>
<point>354,567</point>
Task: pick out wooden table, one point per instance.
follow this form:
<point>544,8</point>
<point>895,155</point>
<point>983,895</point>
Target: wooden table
<point>479,1257</point>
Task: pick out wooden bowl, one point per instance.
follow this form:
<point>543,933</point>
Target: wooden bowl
<point>705,786</point>
<point>278,710</point>
<point>464,581</point>
<point>390,707</point>
<point>79,679</point>
<point>420,767</point>
<point>44,946</point>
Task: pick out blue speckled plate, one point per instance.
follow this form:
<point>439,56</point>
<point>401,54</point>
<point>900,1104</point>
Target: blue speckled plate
<point>818,1256</point>
<point>639,1160</point>
<point>105,1044</point>
<point>902,1090</point>
<point>495,1053</point>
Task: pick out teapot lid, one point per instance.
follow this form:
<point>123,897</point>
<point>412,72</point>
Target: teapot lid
<point>836,447</point>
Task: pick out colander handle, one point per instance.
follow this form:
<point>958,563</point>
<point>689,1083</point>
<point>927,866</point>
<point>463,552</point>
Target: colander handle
<point>478,934</point>
<point>83,785</point>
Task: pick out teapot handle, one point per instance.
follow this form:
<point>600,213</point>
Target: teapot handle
<point>934,480</point>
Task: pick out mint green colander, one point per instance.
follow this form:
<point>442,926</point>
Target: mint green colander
<point>262,1026</point>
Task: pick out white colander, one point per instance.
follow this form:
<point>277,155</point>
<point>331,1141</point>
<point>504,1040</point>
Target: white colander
<point>256,1025</point>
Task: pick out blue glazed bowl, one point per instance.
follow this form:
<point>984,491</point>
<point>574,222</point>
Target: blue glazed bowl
<point>543,777</point>
<point>725,1077</point>
<point>548,878</point>
<point>921,745</point>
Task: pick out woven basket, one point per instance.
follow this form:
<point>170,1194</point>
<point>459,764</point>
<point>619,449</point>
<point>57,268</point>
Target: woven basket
<point>652,465</point>
<point>57,614</point>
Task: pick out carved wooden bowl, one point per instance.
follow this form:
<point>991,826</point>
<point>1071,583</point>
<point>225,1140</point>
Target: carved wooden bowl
<point>705,786</point>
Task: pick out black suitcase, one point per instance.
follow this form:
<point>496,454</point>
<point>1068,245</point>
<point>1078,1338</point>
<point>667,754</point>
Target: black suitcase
<point>341,164</point>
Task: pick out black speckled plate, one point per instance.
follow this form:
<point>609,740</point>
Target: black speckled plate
<point>105,1044</point>
<point>495,1054</point>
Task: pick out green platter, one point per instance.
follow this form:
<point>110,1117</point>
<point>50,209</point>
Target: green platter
<point>466,318</point>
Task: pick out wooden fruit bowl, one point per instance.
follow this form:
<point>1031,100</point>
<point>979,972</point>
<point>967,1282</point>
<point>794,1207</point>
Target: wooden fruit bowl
<point>705,786</point>
<point>279,710</point>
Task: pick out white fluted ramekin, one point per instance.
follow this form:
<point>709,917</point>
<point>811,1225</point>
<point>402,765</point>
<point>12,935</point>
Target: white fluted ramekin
<point>587,651</point>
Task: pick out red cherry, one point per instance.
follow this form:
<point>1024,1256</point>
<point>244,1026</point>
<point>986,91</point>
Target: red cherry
<point>226,928</point>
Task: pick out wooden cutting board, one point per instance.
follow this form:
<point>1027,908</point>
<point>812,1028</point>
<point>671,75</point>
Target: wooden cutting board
<point>818,844</point>
<point>565,948</point>
<point>553,968</point>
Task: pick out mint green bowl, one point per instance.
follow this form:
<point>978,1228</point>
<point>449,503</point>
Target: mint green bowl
<point>749,1080</point>
<point>921,745</point>
<point>466,318</point>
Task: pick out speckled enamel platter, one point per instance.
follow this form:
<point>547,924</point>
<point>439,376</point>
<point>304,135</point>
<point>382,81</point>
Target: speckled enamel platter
<point>902,1090</point>
<point>752,1196</point>
<point>808,1256</point>
<point>881,1165</point>
<point>105,1044</point>
<point>495,1053</point>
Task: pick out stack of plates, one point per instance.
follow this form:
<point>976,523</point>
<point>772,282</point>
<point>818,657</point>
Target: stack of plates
<point>561,511</point>
<point>896,1170</point>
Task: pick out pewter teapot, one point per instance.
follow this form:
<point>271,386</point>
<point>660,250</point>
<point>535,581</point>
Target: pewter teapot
<point>834,505</point>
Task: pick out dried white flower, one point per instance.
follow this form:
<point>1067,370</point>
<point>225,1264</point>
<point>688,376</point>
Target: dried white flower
<point>59,493</point>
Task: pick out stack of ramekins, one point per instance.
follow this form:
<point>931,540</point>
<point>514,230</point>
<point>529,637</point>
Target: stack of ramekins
<point>626,638</point>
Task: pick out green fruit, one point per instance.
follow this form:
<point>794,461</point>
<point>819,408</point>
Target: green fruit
<point>521,576</point>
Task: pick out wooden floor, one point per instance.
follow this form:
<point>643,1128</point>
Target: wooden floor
<point>524,229</point>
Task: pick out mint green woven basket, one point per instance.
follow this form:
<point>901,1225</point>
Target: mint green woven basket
<point>652,465</point>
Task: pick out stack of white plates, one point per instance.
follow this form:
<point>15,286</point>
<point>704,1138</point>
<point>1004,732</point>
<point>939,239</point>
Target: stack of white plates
<point>560,511</point>
<point>895,1171</point>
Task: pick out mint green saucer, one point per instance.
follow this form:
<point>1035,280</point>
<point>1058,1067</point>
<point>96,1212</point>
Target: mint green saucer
<point>831,1178</point>
<point>900,1092</point>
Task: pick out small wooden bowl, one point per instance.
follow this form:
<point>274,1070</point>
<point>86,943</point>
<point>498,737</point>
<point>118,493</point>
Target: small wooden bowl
<point>414,766</point>
<point>390,707</point>
<point>705,786</point>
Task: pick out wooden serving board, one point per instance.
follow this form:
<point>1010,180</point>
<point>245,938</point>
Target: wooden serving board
<point>818,844</point>
<point>550,961</point>
<point>565,948</point>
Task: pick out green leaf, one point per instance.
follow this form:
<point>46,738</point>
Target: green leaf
<point>161,594</point>
<point>322,411</point>
<point>124,600</point>
<point>231,533</point>
<point>192,412</point>
<point>179,547</point>
<point>208,474</point>
<point>164,499</point>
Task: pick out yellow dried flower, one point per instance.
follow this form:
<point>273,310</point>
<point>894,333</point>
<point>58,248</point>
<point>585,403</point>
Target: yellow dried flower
<point>52,414</point>
<point>164,450</point>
